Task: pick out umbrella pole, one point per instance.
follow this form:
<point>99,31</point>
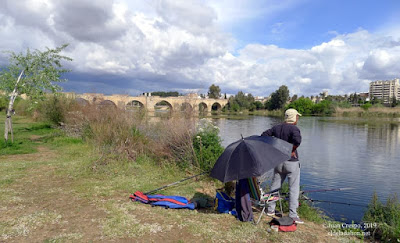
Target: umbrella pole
<point>177,182</point>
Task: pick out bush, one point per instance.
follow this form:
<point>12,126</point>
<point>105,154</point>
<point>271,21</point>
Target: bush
<point>385,218</point>
<point>325,107</point>
<point>252,107</point>
<point>259,105</point>
<point>127,135</point>
<point>3,102</point>
<point>207,145</point>
<point>366,106</point>
<point>306,107</point>
<point>24,107</point>
<point>342,104</point>
<point>303,105</point>
<point>53,108</point>
<point>234,107</point>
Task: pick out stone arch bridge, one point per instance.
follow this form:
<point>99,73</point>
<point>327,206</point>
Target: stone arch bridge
<point>151,103</point>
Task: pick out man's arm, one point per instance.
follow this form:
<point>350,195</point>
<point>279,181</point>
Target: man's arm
<point>294,151</point>
<point>296,138</point>
<point>269,132</point>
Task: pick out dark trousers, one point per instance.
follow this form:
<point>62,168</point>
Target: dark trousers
<point>243,203</point>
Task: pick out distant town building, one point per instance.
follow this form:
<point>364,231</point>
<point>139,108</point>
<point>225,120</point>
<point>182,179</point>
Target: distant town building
<point>262,99</point>
<point>385,90</point>
<point>318,98</point>
<point>364,96</point>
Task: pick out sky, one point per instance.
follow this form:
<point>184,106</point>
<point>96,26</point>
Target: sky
<point>136,46</point>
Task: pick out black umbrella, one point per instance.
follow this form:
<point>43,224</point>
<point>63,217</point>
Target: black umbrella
<point>250,157</point>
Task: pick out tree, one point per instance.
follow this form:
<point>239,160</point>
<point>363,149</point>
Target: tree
<point>258,105</point>
<point>375,100</point>
<point>393,102</point>
<point>165,94</point>
<point>242,100</point>
<point>32,73</point>
<point>278,98</point>
<point>214,92</point>
<point>302,105</point>
<point>294,98</point>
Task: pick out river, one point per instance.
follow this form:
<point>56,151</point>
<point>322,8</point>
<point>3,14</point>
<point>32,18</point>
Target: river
<point>336,153</point>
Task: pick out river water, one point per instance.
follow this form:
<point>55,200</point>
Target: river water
<point>337,153</point>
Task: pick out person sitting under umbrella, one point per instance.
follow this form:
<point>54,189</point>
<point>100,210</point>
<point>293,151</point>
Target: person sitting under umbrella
<point>289,132</point>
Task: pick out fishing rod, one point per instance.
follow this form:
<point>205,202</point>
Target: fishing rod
<point>177,182</point>
<point>304,197</point>
<point>328,190</point>
<point>322,190</point>
<point>334,202</point>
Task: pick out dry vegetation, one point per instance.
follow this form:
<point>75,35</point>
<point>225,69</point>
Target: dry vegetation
<point>371,112</point>
<point>132,134</point>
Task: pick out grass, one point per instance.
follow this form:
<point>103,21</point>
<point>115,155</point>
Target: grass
<point>66,190</point>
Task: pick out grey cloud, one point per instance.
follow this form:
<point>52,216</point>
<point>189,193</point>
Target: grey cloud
<point>186,55</point>
<point>27,13</point>
<point>191,15</point>
<point>382,64</point>
<point>88,20</point>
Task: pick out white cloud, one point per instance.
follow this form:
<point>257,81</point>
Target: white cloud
<point>164,44</point>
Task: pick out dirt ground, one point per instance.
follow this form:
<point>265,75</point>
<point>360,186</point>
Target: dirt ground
<point>42,205</point>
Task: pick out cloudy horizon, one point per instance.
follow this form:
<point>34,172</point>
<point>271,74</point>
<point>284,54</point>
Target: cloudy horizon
<point>131,47</point>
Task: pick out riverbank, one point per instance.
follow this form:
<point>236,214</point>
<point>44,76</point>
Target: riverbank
<point>61,190</point>
<point>373,112</point>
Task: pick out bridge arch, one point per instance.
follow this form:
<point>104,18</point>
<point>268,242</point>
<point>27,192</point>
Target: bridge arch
<point>216,106</point>
<point>133,105</point>
<point>81,101</point>
<point>163,105</point>
<point>107,104</point>
<point>203,107</point>
<point>186,107</point>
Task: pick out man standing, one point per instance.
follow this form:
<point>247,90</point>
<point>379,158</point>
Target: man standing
<point>289,132</point>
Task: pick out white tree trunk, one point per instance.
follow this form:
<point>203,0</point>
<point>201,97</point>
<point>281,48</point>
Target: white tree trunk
<point>8,123</point>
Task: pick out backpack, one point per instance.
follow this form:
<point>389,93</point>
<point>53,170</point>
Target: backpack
<point>223,203</point>
<point>285,224</point>
<point>175,202</point>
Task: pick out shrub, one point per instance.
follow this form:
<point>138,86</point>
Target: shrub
<point>259,105</point>
<point>3,102</point>
<point>302,105</point>
<point>252,107</point>
<point>53,109</point>
<point>366,106</point>
<point>207,144</point>
<point>130,135</point>
<point>306,107</point>
<point>385,218</point>
<point>24,107</point>
<point>325,107</point>
<point>234,107</point>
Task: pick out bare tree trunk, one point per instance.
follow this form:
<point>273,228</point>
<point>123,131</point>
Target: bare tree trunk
<point>8,123</point>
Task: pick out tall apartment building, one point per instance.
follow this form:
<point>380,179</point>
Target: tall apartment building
<point>385,90</point>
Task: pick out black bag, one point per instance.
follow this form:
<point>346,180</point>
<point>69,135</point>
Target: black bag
<point>285,224</point>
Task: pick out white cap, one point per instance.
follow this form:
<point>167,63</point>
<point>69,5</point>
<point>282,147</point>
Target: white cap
<point>290,115</point>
